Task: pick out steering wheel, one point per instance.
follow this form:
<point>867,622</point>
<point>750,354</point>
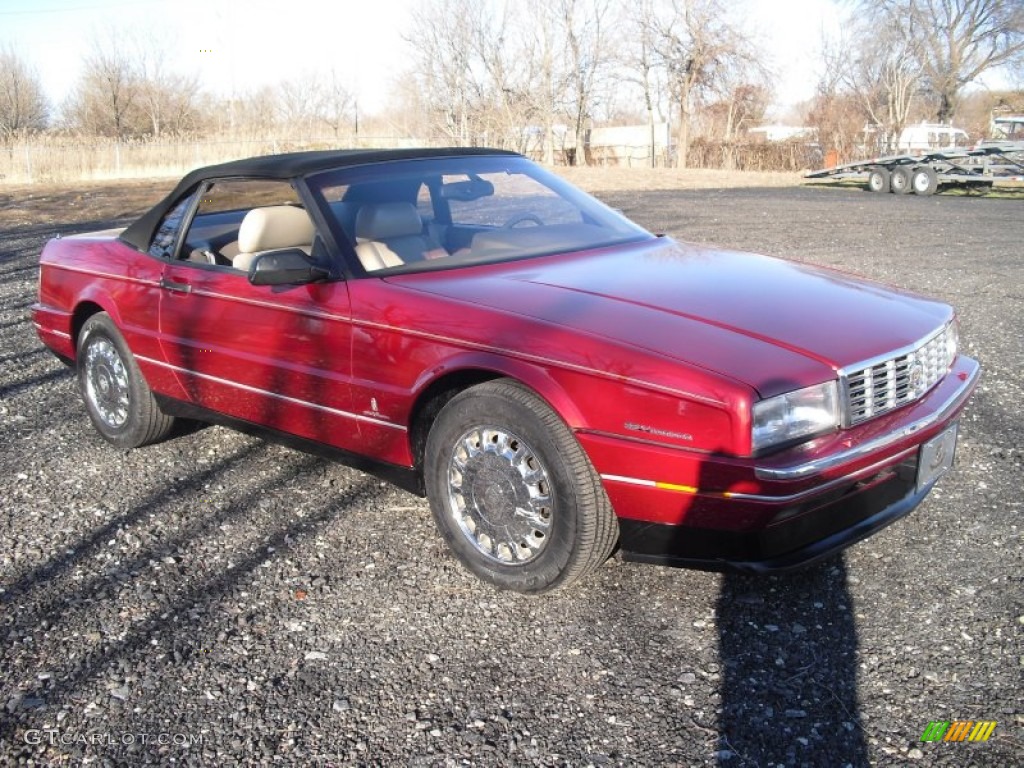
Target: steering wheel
<point>524,217</point>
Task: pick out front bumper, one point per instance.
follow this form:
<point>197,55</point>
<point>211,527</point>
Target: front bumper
<point>798,541</point>
<point>784,511</point>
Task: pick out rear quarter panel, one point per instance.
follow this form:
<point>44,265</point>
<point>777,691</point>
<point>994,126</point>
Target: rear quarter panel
<point>77,273</point>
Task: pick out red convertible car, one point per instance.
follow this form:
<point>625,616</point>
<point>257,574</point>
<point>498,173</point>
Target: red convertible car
<point>558,381</point>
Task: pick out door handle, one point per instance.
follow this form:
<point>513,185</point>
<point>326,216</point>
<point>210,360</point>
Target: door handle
<point>170,285</point>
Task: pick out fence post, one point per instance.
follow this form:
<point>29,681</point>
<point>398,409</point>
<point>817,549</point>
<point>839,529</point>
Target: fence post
<point>28,162</point>
<point>117,157</point>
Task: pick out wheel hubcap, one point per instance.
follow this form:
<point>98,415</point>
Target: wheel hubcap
<point>106,383</point>
<point>499,495</point>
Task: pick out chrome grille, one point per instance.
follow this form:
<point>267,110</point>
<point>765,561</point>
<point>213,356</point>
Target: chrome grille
<point>878,386</point>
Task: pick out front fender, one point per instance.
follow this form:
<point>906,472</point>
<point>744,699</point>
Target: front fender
<point>544,382</point>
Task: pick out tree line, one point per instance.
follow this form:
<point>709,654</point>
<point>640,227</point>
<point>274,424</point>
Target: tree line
<point>537,75</point>
<point>902,61</point>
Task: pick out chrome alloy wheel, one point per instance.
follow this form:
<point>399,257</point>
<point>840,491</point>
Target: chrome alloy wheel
<point>499,495</point>
<point>106,383</point>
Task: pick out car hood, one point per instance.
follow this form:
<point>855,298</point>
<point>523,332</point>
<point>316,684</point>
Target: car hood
<point>772,324</point>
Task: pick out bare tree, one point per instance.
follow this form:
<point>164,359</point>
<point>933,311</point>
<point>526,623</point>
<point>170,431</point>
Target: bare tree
<point>307,104</point>
<point>640,62</point>
<point>23,107</point>
<point>335,103</point>
<point>547,86</point>
<point>740,90</point>
<point>881,68</point>
<point>957,41</point>
<point>293,109</point>
<point>887,77</point>
<point>254,113</point>
<point>442,63</point>
<point>696,42</point>
<point>510,73</point>
<point>583,26</point>
<point>505,58</point>
<point>167,98</point>
<point>105,102</point>
<point>836,114</point>
<point>738,108</point>
<point>126,89</point>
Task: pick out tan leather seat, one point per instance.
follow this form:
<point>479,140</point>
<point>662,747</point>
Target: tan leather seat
<point>391,234</point>
<point>272,228</point>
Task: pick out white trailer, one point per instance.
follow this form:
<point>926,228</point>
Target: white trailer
<point>931,137</point>
<point>925,174</point>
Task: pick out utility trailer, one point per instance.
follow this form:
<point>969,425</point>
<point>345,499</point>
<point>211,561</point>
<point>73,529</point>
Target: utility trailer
<point>924,174</point>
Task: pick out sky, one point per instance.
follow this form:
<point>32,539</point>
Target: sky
<point>234,45</point>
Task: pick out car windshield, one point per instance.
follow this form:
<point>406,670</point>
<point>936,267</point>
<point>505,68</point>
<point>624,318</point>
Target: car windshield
<point>439,213</point>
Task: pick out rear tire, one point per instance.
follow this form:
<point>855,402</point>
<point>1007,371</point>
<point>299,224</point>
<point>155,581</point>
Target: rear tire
<point>512,492</point>
<point>899,180</point>
<point>117,398</point>
<point>925,181</point>
<point>878,179</point>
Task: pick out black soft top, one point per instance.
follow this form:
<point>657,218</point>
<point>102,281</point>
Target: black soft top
<point>287,166</point>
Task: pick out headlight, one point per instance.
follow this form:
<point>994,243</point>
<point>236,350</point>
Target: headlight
<point>800,414</point>
<point>952,341</point>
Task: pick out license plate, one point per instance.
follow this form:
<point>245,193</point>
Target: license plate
<point>935,457</point>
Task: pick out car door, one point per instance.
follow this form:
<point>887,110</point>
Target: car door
<point>276,356</point>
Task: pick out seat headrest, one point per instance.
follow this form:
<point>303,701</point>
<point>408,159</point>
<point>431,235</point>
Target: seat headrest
<point>275,226</point>
<point>380,222</point>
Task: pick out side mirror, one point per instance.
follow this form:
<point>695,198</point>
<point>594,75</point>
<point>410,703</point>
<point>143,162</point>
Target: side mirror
<point>288,266</point>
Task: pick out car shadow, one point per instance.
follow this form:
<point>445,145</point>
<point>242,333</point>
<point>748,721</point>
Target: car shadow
<point>787,648</point>
<point>788,651</point>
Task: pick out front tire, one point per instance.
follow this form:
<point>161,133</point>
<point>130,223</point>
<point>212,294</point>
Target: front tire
<point>512,492</point>
<point>117,398</point>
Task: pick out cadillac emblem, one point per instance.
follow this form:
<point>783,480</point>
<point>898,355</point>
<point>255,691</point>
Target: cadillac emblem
<point>916,376</point>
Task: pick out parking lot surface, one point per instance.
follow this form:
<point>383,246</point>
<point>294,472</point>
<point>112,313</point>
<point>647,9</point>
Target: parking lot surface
<point>217,600</point>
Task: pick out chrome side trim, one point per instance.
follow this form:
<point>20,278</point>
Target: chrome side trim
<point>817,466</point>
<point>276,396</point>
<point>270,305</point>
<point>107,275</point>
<point>52,332</point>
<point>652,484</point>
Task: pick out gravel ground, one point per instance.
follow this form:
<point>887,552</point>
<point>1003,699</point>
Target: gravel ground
<point>215,600</point>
